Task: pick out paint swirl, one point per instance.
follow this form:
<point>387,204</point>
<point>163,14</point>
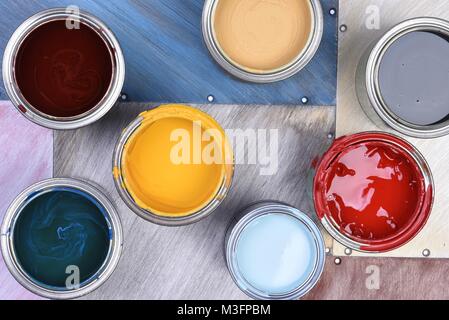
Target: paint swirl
<point>58,229</point>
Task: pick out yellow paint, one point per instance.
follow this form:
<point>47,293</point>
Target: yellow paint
<point>263,35</point>
<point>163,186</point>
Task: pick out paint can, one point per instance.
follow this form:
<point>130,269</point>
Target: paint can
<point>274,251</point>
<point>37,244</point>
<point>373,192</point>
<point>69,90</point>
<point>169,191</point>
<point>400,80</point>
<point>256,74</point>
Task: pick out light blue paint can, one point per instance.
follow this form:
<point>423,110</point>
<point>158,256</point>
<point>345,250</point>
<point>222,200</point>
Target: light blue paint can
<point>274,251</point>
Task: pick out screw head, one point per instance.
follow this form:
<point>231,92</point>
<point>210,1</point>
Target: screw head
<point>123,96</point>
<point>210,98</point>
<point>332,11</point>
<point>337,261</point>
<point>426,252</point>
<point>343,28</point>
<point>304,100</point>
<point>348,251</point>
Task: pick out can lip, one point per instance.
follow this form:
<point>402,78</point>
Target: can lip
<point>429,24</point>
<point>169,221</point>
<point>413,227</point>
<point>110,262</point>
<point>277,75</point>
<point>255,211</point>
<point>63,123</point>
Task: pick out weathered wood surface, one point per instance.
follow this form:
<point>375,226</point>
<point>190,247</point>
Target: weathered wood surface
<point>398,278</point>
<point>166,59</point>
<point>187,262</point>
<point>351,118</point>
<point>26,157</point>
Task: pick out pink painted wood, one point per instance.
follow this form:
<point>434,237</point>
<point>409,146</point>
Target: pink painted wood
<point>26,156</point>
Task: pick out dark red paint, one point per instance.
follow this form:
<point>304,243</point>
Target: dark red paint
<point>63,72</point>
<point>372,190</point>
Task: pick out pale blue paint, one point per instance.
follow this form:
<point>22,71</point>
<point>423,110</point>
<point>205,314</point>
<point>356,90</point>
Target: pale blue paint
<point>276,253</point>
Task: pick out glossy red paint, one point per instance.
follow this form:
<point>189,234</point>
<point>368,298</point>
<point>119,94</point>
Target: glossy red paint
<point>63,72</point>
<point>370,187</point>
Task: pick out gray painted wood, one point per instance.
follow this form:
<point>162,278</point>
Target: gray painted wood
<point>187,262</point>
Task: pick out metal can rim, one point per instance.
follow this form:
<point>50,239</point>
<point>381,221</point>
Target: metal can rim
<point>151,216</point>
<point>255,211</point>
<point>284,73</point>
<point>372,80</point>
<point>110,262</point>
<point>20,102</point>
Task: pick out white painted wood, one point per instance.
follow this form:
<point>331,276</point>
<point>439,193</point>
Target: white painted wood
<point>351,118</point>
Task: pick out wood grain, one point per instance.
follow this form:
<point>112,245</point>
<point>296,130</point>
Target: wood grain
<point>351,118</point>
<point>26,157</point>
<point>398,278</point>
<point>187,262</point>
<point>166,60</point>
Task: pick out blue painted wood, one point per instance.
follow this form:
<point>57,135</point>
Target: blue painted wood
<point>167,61</point>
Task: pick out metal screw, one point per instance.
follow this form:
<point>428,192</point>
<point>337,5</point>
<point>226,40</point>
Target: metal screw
<point>304,100</point>
<point>332,11</point>
<point>210,98</point>
<point>343,28</point>
<point>426,252</point>
<point>327,250</point>
<point>123,96</point>
<point>337,261</point>
<point>330,136</point>
<point>348,251</point>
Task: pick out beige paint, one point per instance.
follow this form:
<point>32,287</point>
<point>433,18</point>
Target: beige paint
<point>262,35</point>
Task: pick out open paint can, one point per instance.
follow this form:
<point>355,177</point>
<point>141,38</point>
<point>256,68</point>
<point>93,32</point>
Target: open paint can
<point>63,70</point>
<point>274,252</point>
<point>373,192</point>
<point>402,78</point>
<point>262,41</point>
<point>61,238</point>
<point>173,165</point>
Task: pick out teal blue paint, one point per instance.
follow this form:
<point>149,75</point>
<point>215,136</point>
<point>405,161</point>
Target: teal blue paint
<point>276,253</point>
<point>57,229</point>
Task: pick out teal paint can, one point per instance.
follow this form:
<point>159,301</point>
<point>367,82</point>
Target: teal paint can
<point>61,238</point>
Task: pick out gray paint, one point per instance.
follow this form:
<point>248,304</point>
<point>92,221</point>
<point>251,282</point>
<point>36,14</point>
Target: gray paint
<point>414,78</point>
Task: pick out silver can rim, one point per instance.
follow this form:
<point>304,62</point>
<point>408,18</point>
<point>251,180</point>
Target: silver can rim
<point>284,73</point>
<point>253,212</point>
<point>63,123</point>
<point>146,214</point>
<point>110,262</point>
<point>428,24</point>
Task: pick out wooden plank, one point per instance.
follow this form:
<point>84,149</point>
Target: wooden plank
<point>398,278</point>
<point>187,262</point>
<point>25,158</point>
<point>166,59</point>
<point>413,279</point>
<point>351,118</point>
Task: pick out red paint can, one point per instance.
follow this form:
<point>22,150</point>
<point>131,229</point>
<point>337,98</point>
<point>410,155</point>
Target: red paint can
<point>373,192</point>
